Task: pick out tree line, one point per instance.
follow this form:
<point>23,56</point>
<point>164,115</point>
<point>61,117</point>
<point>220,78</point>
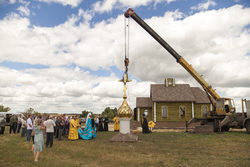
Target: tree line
<point>111,113</point>
<point>4,109</point>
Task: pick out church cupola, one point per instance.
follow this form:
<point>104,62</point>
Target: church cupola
<point>170,82</point>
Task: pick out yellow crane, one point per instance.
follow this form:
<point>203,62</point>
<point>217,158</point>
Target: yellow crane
<point>223,108</point>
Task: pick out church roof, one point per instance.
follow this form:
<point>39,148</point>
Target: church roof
<point>178,93</point>
<point>143,102</point>
<point>200,95</point>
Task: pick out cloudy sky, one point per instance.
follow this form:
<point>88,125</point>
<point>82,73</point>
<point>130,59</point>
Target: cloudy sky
<point>67,55</point>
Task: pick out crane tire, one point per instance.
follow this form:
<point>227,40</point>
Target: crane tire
<point>248,126</point>
<point>225,128</point>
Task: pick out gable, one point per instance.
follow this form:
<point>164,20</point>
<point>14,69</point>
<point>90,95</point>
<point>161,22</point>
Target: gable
<point>143,102</point>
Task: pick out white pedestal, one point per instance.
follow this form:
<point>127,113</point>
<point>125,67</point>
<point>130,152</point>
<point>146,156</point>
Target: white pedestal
<point>124,135</point>
<point>124,125</point>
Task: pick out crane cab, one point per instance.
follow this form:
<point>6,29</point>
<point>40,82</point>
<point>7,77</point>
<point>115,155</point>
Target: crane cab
<point>225,106</point>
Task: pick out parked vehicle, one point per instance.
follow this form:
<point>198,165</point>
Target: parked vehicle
<point>2,114</point>
<point>110,120</point>
<point>8,116</point>
<point>82,120</point>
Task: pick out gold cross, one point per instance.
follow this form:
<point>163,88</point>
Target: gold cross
<point>124,90</point>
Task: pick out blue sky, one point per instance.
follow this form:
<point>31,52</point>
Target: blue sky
<point>66,56</point>
<point>52,14</point>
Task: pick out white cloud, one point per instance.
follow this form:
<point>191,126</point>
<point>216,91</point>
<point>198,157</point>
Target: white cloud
<point>12,1</point>
<point>51,88</point>
<point>108,5</point>
<point>24,10</point>
<point>73,3</point>
<point>7,2</point>
<point>215,42</point>
<point>104,6</point>
<point>204,6</point>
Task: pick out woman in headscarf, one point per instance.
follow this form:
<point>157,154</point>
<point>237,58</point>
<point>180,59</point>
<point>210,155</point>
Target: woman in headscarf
<point>89,131</point>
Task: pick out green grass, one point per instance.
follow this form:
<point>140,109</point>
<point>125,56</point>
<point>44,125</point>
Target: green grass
<point>155,149</point>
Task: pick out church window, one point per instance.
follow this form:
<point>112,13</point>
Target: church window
<point>170,82</point>
<point>182,112</point>
<point>146,113</point>
<point>164,112</point>
<point>204,111</point>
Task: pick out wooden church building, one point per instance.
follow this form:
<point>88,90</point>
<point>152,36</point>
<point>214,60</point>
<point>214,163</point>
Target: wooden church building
<point>172,102</point>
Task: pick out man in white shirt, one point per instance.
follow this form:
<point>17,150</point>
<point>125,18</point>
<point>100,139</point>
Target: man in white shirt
<point>49,124</point>
<point>96,123</point>
<point>29,128</point>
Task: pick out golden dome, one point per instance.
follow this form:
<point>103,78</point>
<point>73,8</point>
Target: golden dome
<point>124,111</point>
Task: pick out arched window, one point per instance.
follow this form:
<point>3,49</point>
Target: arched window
<point>164,112</point>
<point>182,113</point>
<point>204,111</point>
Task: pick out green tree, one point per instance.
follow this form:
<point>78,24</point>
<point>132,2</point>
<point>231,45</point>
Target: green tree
<point>4,109</point>
<point>29,111</point>
<point>85,113</point>
<point>110,115</point>
<point>114,111</point>
<point>36,113</point>
<point>104,113</point>
<point>107,111</point>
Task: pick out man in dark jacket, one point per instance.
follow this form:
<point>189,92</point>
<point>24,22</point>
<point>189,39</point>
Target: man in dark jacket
<point>100,128</point>
<point>15,124</point>
<point>144,124</point>
<point>61,126</point>
<point>2,125</point>
<point>106,121</point>
<point>57,127</point>
<point>12,124</point>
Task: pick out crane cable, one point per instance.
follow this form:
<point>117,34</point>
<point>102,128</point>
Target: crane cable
<point>125,37</point>
<point>126,34</point>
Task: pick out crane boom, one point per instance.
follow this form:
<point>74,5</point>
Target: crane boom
<point>130,13</point>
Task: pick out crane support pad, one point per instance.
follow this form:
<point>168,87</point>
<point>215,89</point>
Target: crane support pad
<point>202,129</point>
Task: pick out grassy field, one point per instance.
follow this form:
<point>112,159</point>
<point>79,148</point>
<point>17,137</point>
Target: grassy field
<point>178,149</point>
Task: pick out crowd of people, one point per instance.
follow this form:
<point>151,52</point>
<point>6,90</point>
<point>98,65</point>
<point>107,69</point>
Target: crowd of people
<point>42,129</point>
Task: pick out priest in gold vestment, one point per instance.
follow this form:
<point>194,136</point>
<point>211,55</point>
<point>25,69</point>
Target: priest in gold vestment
<point>73,133</point>
<point>77,120</point>
<point>116,123</point>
